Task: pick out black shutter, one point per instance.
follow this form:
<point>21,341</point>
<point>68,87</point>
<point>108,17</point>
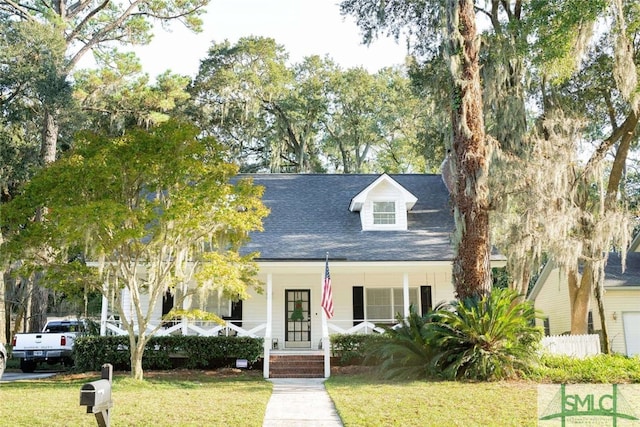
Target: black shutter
<point>547,327</point>
<point>426,303</point>
<point>167,305</point>
<point>358,305</point>
<point>167,302</point>
<point>236,313</point>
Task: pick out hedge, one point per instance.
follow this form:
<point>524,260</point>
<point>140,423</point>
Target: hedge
<point>166,352</point>
<point>351,349</point>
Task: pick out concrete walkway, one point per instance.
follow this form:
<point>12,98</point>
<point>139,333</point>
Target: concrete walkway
<point>300,402</point>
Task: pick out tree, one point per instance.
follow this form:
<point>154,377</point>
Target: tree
<point>308,117</point>
<point>93,25</point>
<point>73,29</point>
<point>155,209</point>
<point>120,97</point>
<point>604,92</point>
<point>231,93</point>
<point>530,54</point>
<point>469,159</point>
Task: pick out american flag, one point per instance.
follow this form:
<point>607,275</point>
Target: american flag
<point>327,294</point>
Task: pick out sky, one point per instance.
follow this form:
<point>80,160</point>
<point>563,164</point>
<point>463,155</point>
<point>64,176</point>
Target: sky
<point>303,27</point>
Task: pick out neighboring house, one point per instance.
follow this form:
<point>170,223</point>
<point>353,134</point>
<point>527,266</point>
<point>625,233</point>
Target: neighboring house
<point>387,239</point>
<point>621,301</point>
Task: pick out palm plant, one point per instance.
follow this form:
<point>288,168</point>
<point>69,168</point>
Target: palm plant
<point>405,354</point>
<point>487,338</point>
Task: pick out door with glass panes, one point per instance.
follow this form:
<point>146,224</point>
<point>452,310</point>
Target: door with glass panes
<point>298,318</point>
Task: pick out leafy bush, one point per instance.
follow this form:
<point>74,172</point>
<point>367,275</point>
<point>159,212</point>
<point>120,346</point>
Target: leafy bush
<point>91,352</point>
<point>603,368</point>
<point>405,352</point>
<point>487,338</point>
<point>354,348</point>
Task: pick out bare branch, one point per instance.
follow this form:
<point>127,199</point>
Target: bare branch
<point>86,19</point>
<point>20,10</point>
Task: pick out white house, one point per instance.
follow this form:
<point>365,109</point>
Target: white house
<point>550,294</point>
<point>387,239</point>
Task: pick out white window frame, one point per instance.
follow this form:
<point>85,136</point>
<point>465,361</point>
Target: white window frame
<point>215,302</point>
<point>384,217</point>
<point>414,293</point>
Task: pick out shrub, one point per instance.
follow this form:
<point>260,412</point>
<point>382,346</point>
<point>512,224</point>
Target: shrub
<point>487,338</point>
<point>405,352</point>
<point>91,352</point>
<point>354,348</point>
<point>603,368</point>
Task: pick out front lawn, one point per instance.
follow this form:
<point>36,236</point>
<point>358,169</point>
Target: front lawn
<point>176,398</point>
<point>362,401</point>
<point>230,397</point>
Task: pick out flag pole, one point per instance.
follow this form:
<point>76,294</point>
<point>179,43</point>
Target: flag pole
<point>325,327</point>
<point>326,344</point>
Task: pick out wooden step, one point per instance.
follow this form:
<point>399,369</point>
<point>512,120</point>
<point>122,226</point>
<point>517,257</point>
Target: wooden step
<point>296,366</point>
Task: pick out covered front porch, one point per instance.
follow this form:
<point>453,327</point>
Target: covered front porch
<point>287,314</point>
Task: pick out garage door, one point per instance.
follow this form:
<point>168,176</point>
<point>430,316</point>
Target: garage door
<point>631,322</point>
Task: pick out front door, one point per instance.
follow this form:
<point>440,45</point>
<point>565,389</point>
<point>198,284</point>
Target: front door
<point>298,318</point>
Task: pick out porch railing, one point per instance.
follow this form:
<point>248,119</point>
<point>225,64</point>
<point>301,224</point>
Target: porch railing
<point>196,327</point>
<point>360,328</point>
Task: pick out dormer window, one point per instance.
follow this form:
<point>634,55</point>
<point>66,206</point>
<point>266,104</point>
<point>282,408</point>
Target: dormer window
<point>384,213</point>
<point>383,205</point>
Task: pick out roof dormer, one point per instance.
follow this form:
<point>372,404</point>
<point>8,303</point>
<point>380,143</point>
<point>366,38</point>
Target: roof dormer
<point>383,205</point>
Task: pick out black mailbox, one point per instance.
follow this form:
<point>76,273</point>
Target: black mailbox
<point>96,396</point>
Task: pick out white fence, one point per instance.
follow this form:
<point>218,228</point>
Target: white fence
<point>572,345</point>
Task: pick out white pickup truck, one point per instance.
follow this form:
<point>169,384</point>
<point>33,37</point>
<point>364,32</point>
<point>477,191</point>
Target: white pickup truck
<point>53,345</point>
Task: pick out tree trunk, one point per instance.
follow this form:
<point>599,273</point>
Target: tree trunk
<point>471,266</point>
<point>39,297</point>
<point>4,319</point>
<point>136,344</point>
<point>606,348</point>
<point>579,297</point>
<point>49,143</point>
<point>39,305</point>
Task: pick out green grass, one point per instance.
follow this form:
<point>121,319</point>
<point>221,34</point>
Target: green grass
<point>182,398</point>
<point>239,398</point>
<point>365,402</point>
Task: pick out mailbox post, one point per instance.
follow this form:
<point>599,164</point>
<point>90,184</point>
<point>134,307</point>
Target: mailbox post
<point>96,396</point>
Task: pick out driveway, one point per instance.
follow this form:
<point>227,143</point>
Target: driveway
<point>17,376</point>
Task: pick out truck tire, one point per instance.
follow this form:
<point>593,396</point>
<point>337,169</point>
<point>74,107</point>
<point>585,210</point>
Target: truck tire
<point>27,366</point>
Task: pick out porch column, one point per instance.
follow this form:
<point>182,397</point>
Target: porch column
<point>405,294</point>
<point>186,304</point>
<point>103,315</point>
<point>268,329</point>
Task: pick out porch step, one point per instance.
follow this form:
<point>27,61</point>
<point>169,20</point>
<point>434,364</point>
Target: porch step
<point>296,366</point>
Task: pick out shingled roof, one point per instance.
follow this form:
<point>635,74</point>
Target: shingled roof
<point>310,216</point>
<point>614,276</point>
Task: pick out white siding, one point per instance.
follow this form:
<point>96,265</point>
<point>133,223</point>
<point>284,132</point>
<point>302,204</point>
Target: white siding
<point>344,276</point>
<point>553,301</point>
<point>631,321</point>
<point>129,309</point>
<point>343,279</point>
<point>620,302</point>
<point>384,192</point>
